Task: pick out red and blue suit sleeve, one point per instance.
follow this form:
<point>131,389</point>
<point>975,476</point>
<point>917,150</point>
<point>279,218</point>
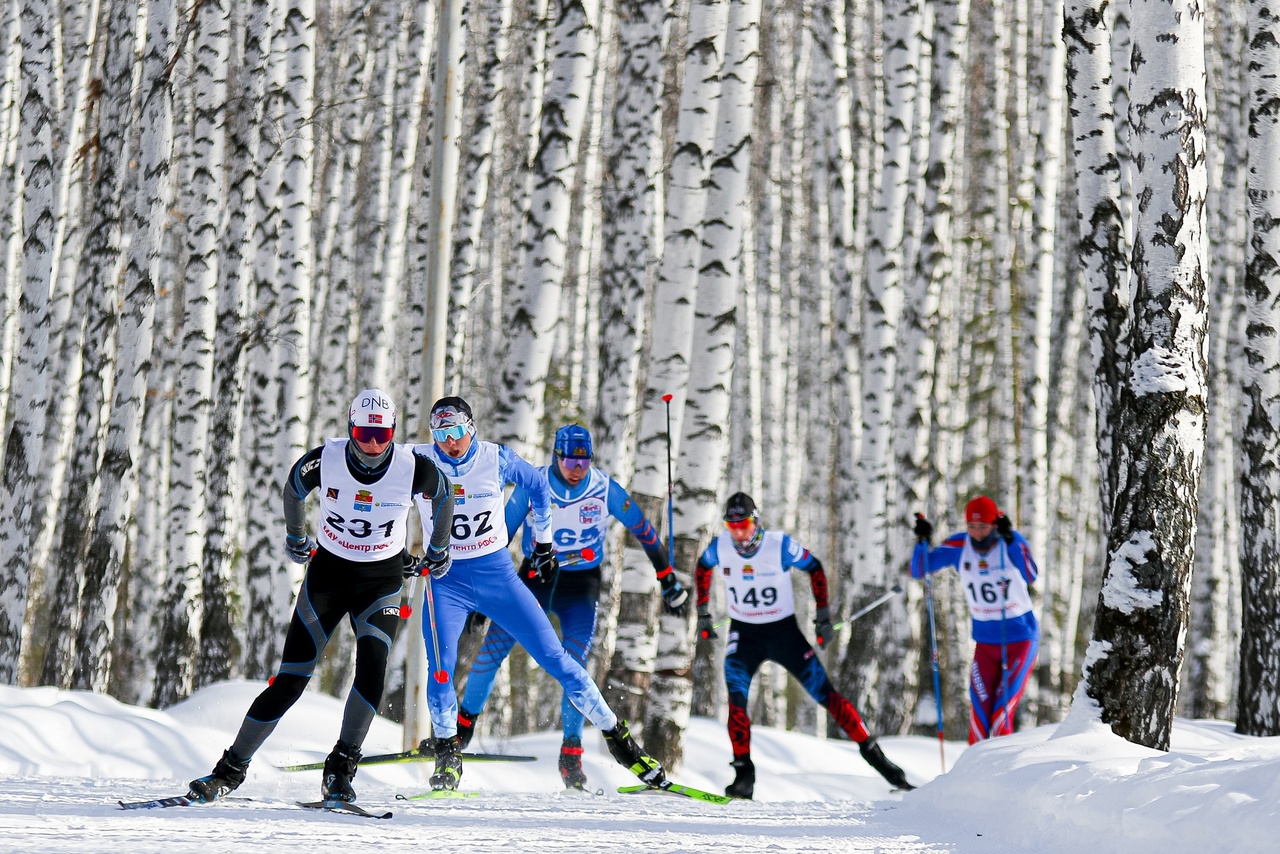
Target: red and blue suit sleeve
<point>625,510</point>
<point>1020,556</point>
<point>707,563</point>
<point>798,557</point>
<point>926,560</point>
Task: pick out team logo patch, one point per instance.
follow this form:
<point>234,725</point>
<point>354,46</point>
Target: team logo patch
<point>748,573</point>
<point>364,501</point>
<point>589,514</point>
<point>459,493</point>
<point>726,570</point>
<point>983,566</point>
<point>331,494</point>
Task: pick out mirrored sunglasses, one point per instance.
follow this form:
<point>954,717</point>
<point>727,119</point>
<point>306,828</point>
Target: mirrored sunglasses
<point>380,435</point>
<point>740,525</point>
<point>444,434</point>
<point>572,464</point>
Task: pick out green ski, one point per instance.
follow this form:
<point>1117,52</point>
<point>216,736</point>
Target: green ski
<point>438,795</point>
<point>677,789</point>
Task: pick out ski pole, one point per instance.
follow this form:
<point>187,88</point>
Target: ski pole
<point>933,649</point>
<point>441,675</point>
<point>406,610</point>
<point>867,609</point>
<point>1004,665</point>
<point>585,556</point>
<point>671,495</point>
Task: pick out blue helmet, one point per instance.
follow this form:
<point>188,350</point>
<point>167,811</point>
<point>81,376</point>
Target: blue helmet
<point>573,442</point>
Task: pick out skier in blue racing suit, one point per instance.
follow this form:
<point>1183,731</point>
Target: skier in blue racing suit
<point>583,499</point>
<point>483,579</point>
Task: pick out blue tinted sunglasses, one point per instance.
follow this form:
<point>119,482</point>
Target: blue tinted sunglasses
<point>444,434</point>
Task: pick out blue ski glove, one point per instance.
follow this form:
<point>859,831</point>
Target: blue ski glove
<point>673,593</point>
<point>299,548</point>
<point>822,628</point>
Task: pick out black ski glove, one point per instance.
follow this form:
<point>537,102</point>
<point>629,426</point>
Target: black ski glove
<point>706,630</point>
<point>1004,528</point>
<point>924,530</point>
<point>543,565</point>
<point>673,593</point>
<point>299,548</point>
<point>822,628</point>
<point>412,565</point>
<point>438,563</point>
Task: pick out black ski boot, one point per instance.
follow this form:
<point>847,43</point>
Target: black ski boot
<point>339,767</point>
<point>744,784</point>
<point>876,759</point>
<point>571,764</point>
<point>466,726</point>
<point>448,763</point>
<point>227,776</point>
<point>624,749</point>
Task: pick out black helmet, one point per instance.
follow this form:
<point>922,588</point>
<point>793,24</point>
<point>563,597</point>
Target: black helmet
<point>739,508</point>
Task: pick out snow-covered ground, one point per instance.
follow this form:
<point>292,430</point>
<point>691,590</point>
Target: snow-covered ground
<point>67,757</point>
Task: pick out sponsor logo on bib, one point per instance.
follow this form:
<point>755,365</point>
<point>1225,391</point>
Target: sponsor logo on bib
<point>748,573</point>
<point>331,494</point>
<point>459,494</point>
<point>589,514</point>
<point>364,501</point>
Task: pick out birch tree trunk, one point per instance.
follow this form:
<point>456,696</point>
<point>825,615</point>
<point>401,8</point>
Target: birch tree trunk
<point>268,577</point>
<point>334,381</point>
<point>219,655</point>
<point>478,154</point>
<point>99,277</point>
<point>24,441</point>
<point>1258,697</point>
<point>295,231</point>
<point>705,447</point>
<point>535,302</point>
<point>874,643</point>
<point>634,657</point>
<point>1104,241</point>
<point>1131,669</point>
<point>180,635</point>
<point>121,461</point>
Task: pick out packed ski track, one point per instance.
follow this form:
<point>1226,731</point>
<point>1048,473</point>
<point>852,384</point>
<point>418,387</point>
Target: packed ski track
<point>68,757</point>
<point>78,815</point>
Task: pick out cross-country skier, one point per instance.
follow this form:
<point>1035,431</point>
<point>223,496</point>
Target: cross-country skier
<point>756,565</point>
<point>484,580</point>
<point>356,570</point>
<point>583,499</point>
<point>996,569</point>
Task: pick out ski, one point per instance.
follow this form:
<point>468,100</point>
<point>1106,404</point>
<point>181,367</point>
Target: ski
<point>415,755</point>
<point>179,801</point>
<point>158,803</point>
<point>342,806</point>
<point>678,789</point>
<point>438,795</point>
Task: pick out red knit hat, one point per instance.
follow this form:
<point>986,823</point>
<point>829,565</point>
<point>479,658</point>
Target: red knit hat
<point>981,509</point>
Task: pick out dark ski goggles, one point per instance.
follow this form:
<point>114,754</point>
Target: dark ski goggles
<point>379,435</point>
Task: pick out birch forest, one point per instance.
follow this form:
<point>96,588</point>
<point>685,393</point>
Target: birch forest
<point>883,255</point>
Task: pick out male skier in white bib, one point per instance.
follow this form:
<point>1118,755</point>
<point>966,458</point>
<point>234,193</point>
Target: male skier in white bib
<point>583,500</point>
<point>484,580</point>
<point>355,571</point>
<point>756,566</point>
